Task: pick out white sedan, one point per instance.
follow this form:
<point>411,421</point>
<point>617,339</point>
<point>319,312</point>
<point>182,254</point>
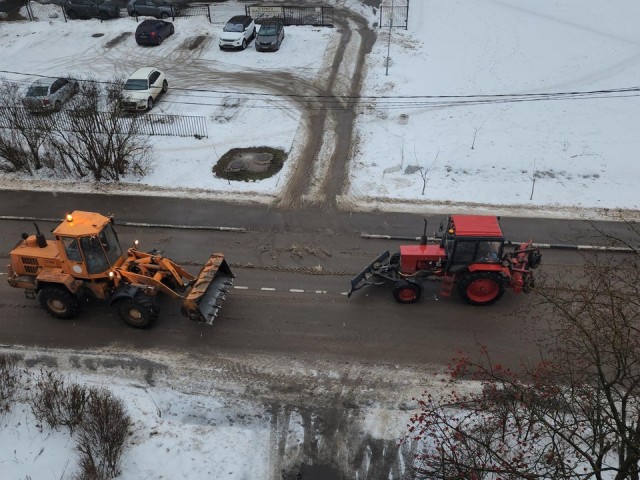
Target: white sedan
<point>143,88</point>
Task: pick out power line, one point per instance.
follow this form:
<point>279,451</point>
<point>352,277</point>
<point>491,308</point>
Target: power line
<point>345,102</point>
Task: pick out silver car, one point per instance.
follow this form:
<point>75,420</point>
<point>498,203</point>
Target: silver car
<point>152,8</point>
<point>49,94</point>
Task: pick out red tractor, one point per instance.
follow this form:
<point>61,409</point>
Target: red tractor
<point>470,252</point>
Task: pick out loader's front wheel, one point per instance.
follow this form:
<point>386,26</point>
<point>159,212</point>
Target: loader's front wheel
<point>481,288</point>
<point>407,292</point>
<point>59,302</point>
<point>139,311</point>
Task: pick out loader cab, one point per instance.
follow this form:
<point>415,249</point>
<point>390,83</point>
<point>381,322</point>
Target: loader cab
<point>472,239</point>
<point>88,244</point>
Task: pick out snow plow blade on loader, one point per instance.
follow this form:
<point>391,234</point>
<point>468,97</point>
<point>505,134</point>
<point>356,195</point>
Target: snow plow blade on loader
<point>208,291</point>
<point>364,278</point>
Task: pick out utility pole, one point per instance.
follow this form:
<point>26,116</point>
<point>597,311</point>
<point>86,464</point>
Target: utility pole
<point>389,42</point>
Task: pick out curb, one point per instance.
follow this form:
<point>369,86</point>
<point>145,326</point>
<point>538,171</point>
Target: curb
<point>548,246</point>
<point>134,224</point>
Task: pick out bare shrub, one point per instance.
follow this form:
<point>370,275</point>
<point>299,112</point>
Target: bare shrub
<point>22,135</point>
<point>101,436</point>
<point>9,377</point>
<point>58,405</point>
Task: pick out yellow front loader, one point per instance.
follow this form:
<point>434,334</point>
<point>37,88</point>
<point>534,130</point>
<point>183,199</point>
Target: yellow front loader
<point>85,259</point>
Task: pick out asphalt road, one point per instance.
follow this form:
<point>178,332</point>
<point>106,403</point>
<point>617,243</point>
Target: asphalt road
<point>293,270</point>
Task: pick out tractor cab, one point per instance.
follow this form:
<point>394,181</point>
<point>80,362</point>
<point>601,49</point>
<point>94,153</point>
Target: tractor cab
<point>88,244</point>
<point>470,239</point>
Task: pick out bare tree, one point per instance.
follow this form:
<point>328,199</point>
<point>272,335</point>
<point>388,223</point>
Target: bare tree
<point>97,138</point>
<point>573,415</point>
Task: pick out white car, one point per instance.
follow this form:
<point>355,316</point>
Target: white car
<point>237,33</point>
<point>142,89</point>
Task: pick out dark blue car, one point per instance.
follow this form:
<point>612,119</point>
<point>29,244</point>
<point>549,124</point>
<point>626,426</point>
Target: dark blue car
<point>153,32</point>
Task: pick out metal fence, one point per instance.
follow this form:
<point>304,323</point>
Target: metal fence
<point>394,16</point>
<point>196,10</point>
<point>147,124</point>
<point>292,15</point>
<point>44,11</point>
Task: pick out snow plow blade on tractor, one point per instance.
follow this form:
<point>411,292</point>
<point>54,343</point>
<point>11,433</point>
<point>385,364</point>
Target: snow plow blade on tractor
<point>85,260</point>
<point>469,253</point>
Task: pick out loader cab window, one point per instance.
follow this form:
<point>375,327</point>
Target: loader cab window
<point>72,249</point>
<point>110,244</point>
<point>96,259</point>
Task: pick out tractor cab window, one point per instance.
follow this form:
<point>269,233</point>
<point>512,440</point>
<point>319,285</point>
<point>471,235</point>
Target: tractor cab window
<point>72,249</point>
<point>489,252</point>
<point>109,242</point>
<point>464,252</point>
<point>96,260</point>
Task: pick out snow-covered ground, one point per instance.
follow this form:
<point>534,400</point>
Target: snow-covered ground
<point>440,107</point>
<point>218,418</point>
<point>581,151</point>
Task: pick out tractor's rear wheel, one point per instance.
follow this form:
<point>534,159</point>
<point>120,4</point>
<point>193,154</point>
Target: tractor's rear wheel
<point>139,311</point>
<point>59,302</point>
<point>405,291</point>
<point>481,288</point>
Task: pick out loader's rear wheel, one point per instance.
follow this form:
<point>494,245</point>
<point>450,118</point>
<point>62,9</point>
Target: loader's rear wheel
<point>139,311</point>
<point>481,288</point>
<point>59,302</point>
<point>407,292</point>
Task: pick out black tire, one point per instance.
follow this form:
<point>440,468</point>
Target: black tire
<point>481,288</point>
<point>405,291</point>
<point>103,16</point>
<point>59,302</point>
<point>149,103</point>
<point>72,14</point>
<point>139,311</point>
<point>164,15</point>
<point>165,87</point>
<point>244,43</point>
<point>534,259</point>
<point>57,106</point>
<point>172,30</point>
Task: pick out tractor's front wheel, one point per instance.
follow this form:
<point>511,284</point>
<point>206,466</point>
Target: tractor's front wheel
<point>405,291</point>
<point>59,302</point>
<point>481,288</point>
<point>139,311</point>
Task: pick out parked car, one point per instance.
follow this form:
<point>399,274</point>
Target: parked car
<point>153,32</point>
<point>143,88</point>
<point>237,33</point>
<point>91,9</point>
<point>152,8</point>
<point>49,94</point>
<point>270,36</point>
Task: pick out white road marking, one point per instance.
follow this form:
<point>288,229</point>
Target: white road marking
<point>321,291</point>
<point>268,289</point>
<point>238,287</point>
<point>296,290</point>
